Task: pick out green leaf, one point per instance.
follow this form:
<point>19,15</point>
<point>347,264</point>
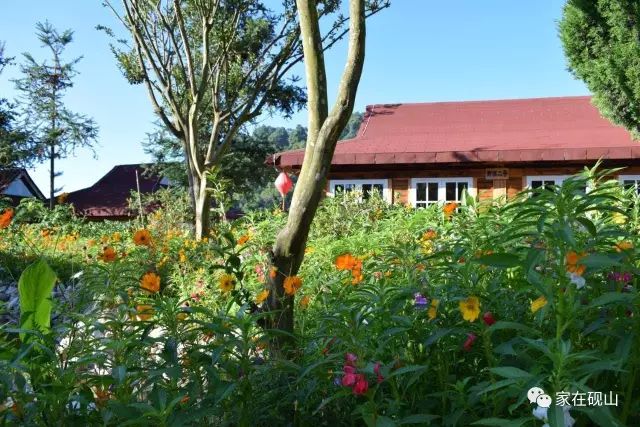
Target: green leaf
<point>407,369</point>
<point>418,419</point>
<point>588,225</point>
<point>500,260</point>
<point>598,261</point>
<point>500,422</point>
<point>510,372</point>
<point>513,325</point>
<point>555,416</point>
<point>610,298</point>
<point>34,289</point>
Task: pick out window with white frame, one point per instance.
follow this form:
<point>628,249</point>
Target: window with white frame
<point>630,181</point>
<point>365,186</point>
<point>429,191</point>
<point>544,181</point>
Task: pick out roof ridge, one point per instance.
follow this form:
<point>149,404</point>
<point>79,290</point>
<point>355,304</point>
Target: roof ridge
<point>481,101</point>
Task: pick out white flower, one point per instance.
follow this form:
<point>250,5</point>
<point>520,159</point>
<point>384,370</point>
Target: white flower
<point>568,420</point>
<point>576,280</point>
<point>540,413</point>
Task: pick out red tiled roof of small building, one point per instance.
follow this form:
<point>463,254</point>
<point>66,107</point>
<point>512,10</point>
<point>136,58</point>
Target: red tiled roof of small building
<point>519,130</point>
<point>107,198</point>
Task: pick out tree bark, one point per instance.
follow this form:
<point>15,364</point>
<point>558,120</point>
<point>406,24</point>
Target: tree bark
<point>324,131</point>
<point>203,208</point>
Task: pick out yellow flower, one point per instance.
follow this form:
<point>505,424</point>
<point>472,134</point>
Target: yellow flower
<point>624,246</point>
<point>618,218</point>
<point>226,283</point>
<point>142,237</point>
<point>150,282</point>
<point>433,310</point>
<point>292,284</point>
<point>262,296</point>
<point>182,256</point>
<point>470,308</point>
<point>309,250</point>
<point>304,302</point>
<point>538,304</point>
<point>116,237</point>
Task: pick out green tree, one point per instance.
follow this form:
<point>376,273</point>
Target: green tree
<point>351,129</point>
<point>210,67</point>
<point>56,130</point>
<point>14,149</point>
<point>243,167</point>
<point>600,39</point>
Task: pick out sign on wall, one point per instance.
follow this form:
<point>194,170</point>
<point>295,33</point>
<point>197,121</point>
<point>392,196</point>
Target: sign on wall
<point>497,173</point>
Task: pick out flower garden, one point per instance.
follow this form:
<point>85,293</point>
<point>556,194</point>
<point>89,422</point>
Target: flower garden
<point>442,316</point>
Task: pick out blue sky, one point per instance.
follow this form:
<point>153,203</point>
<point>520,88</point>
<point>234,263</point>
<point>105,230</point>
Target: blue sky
<point>417,51</point>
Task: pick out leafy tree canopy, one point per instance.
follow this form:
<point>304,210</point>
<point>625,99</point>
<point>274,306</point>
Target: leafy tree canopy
<point>601,40</point>
<point>14,149</point>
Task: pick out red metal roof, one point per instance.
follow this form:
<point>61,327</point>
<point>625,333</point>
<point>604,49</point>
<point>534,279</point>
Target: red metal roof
<point>519,130</point>
<point>107,198</point>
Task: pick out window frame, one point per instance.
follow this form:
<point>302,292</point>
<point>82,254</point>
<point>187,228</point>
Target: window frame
<point>557,179</point>
<point>441,181</point>
<point>636,178</point>
<point>386,190</point>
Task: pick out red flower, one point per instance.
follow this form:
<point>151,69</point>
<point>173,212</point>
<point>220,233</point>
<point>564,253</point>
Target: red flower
<point>361,385</point>
<point>488,318</point>
<point>469,342</point>
<point>349,379</point>
<point>376,370</point>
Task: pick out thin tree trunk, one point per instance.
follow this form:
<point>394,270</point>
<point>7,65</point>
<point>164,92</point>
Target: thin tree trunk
<point>324,131</point>
<point>203,209</point>
<point>53,137</point>
<point>52,175</point>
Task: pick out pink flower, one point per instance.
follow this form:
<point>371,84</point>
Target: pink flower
<point>348,369</point>
<point>376,370</point>
<point>468,344</point>
<point>350,359</point>
<point>361,385</point>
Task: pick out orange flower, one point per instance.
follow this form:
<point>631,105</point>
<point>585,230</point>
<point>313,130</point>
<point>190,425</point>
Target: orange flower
<point>304,302</point>
<point>449,209</point>
<point>144,311</point>
<point>244,239</point>
<point>108,254</point>
<point>572,265</point>
<point>624,246</point>
<point>185,399</point>
<point>150,282</point>
<point>356,275</point>
<point>262,296</point>
<point>429,235</point>
<point>142,237</point>
<point>292,284</point>
<point>5,218</point>
<point>62,198</point>
<point>102,397</point>
<point>572,258</point>
<point>346,262</point>
<point>272,272</point>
